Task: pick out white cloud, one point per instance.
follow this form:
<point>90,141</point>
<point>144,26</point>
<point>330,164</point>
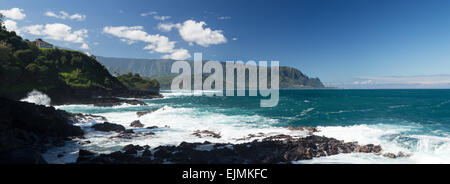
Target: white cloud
<point>14,13</point>
<point>166,27</point>
<point>157,43</point>
<point>234,39</point>
<point>194,32</point>
<point>11,26</point>
<point>420,81</point>
<point>149,13</point>
<point>84,46</point>
<point>224,17</point>
<point>155,16</point>
<point>161,18</point>
<point>365,82</point>
<point>60,32</point>
<point>178,54</point>
<point>64,15</point>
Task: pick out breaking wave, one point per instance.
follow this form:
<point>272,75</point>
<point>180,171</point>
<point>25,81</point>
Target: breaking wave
<point>37,97</point>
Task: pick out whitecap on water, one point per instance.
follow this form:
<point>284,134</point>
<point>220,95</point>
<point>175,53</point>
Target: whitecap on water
<point>37,97</point>
<point>392,138</point>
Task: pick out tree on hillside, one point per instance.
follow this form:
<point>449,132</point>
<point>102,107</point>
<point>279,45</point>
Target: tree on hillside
<point>2,27</point>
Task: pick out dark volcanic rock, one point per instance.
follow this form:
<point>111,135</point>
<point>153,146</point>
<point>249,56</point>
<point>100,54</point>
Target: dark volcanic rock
<point>94,95</point>
<point>399,155</point>
<point>27,129</point>
<point>128,155</point>
<point>206,133</point>
<point>309,129</point>
<point>142,113</point>
<point>108,127</point>
<point>131,135</point>
<point>22,156</point>
<point>370,148</point>
<point>277,149</point>
<point>76,117</point>
<point>137,123</point>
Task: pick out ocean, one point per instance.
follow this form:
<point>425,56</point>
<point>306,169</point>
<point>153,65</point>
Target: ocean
<point>415,122</point>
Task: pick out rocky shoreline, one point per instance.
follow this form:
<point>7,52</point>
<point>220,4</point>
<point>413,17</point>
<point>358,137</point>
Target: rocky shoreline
<point>28,130</point>
<point>281,149</point>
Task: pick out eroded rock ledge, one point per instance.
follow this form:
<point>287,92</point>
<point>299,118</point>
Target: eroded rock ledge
<point>27,130</point>
<point>272,150</point>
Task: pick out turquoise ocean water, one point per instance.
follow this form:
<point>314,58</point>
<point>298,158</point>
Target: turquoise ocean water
<point>416,122</point>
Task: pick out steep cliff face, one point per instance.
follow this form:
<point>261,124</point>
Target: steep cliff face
<point>160,69</point>
<point>293,78</point>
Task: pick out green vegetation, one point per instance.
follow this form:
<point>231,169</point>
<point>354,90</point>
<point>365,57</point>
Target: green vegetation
<point>136,82</point>
<point>24,67</point>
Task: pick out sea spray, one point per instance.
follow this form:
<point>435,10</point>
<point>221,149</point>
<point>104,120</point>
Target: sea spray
<point>37,97</point>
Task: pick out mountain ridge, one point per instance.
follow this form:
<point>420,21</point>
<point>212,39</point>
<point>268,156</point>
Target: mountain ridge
<point>160,69</point>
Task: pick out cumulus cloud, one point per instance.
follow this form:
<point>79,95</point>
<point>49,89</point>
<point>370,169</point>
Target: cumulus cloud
<point>166,27</point>
<point>11,26</point>
<point>84,46</point>
<point>64,15</point>
<point>60,32</point>
<point>178,54</point>
<point>195,32</point>
<point>14,13</point>
<point>156,43</point>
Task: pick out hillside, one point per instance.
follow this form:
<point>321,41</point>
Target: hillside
<point>159,69</point>
<point>56,72</point>
<point>136,82</point>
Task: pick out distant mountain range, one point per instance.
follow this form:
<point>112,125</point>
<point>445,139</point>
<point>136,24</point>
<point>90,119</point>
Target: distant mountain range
<point>160,69</point>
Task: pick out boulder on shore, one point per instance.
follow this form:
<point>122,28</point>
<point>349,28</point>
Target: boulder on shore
<point>206,133</point>
<point>108,127</point>
<point>137,124</point>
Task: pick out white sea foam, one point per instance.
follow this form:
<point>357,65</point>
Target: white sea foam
<point>392,138</point>
<point>178,124</point>
<point>37,97</point>
<point>304,112</point>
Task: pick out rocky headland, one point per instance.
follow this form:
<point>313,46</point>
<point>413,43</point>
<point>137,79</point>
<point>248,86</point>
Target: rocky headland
<point>27,130</point>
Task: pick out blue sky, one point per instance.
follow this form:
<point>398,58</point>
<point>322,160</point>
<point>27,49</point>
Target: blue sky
<point>351,44</point>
